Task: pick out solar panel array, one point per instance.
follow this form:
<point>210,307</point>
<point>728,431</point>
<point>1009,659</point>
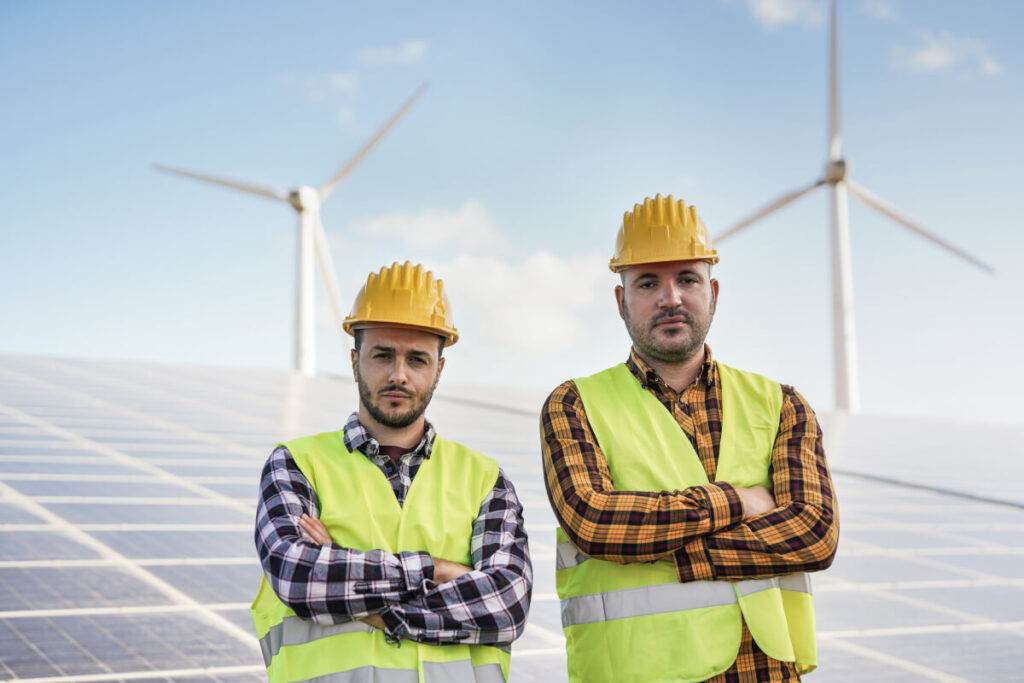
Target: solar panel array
<point>127,497</point>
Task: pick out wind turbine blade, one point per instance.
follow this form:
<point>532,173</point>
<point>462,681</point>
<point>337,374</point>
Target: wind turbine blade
<point>834,139</point>
<point>886,209</point>
<point>372,142</point>
<point>765,210</point>
<point>242,186</point>
<point>325,264</point>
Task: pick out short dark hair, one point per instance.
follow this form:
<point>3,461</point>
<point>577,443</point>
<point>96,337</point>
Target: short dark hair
<point>622,273</point>
<point>357,336</point>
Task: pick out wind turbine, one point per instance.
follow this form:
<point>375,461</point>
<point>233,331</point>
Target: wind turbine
<point>836,178</point>
<point>312,241</point>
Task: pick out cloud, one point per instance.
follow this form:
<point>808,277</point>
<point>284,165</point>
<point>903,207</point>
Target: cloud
<point>946,52</point>
<point>879,9</point>
<point>409,52</point>
<point>337,90</point>
<point>773,14</point>
<point>468,229</point>
<point>346,116</point>
<point>532,318</point>
<point>334,91</point>
<point>543,301</point>
<point>320,88</point>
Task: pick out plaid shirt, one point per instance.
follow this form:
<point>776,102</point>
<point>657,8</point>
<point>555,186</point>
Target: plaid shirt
<point>332,584</point>
<point>701,527</point>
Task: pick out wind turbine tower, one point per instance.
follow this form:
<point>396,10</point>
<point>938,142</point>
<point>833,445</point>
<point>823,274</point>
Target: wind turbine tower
<point>312,246</point>
<point>840,184</point>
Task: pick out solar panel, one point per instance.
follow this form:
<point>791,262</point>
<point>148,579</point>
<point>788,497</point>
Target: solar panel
<point>127,493</point>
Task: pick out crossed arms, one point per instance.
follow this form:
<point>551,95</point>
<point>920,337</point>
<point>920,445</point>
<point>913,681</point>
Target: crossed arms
<point>410,594</point>
<point>711,532</point>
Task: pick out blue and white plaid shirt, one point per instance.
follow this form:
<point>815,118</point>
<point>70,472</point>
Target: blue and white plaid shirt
<point>332,584</point>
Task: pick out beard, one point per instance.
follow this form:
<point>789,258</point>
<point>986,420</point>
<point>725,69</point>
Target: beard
<point>675,348</point>
<point>394,420</point>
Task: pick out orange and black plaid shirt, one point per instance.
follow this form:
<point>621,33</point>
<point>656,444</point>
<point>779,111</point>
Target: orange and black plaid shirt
<point>701,527</point>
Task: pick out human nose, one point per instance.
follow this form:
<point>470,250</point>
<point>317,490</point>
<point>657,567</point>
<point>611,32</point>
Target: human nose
<point>670,296</point>
<point>399,372</point>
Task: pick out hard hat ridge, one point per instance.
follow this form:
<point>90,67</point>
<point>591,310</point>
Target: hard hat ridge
<point>661,229</point>
<point>403,294</point>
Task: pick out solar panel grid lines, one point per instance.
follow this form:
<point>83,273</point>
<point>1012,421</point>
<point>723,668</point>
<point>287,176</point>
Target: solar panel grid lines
<point>129,413</point>
<point>847,586</point>
<point>122,610</point>
<point>130,526</point>
<point>930,562</point>
<point>122,457</point>
<point>921,671</point>
<point>158,562</point>
<point>99,378</point>
<point>973,627</point>
<point>125,564</point>
<point>204,673</point>
<point>261,395</point>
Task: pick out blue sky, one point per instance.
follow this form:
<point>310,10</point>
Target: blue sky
<point>543,123</point>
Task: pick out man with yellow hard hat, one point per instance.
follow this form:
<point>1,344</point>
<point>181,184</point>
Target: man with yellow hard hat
<point>390,553</point>
<point>692,497</point>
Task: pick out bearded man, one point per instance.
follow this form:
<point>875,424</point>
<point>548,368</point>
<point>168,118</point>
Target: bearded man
<point>692,497</point>
<point>390,553</point>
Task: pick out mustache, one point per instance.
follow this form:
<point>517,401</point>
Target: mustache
<point>396,389</point>
<point>672,313</point>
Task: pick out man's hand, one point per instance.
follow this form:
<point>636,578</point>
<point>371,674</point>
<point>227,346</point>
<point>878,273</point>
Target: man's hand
<point>756,500</point>
<point>314,530</point>
<point>374,620</point>
<point>445,570</point>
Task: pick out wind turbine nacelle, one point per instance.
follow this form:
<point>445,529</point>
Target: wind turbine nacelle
<point>835,171</point>
<point>304,198</point>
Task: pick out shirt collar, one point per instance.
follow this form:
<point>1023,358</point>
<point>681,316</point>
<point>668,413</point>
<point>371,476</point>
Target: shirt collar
<point>649,379</point>
<point>357,438</point>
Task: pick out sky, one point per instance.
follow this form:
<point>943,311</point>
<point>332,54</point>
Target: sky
<point>542,124</point>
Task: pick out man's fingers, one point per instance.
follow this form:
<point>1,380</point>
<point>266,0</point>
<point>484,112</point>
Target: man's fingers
<point>446,570</point>
<point>374,620</point>
<point>315,529</point>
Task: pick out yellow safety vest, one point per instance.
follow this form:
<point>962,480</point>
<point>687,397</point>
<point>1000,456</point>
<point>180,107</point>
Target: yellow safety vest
<point>637,622</point>
<point>360,511</point>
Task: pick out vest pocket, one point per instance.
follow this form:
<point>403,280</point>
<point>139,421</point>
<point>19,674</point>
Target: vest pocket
<point>765,616</point>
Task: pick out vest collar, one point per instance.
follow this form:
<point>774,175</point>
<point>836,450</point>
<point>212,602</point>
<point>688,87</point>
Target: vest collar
<point>357,438</point>
<point>650,380</point>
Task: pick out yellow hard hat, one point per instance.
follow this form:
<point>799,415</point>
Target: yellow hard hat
<point>661,229</point>
<point>407,295</point>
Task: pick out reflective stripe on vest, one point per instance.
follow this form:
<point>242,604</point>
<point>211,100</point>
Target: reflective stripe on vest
<point>433,672</point>
<point>296,630</point>
<point>670,597</point>
<point>567,555</point>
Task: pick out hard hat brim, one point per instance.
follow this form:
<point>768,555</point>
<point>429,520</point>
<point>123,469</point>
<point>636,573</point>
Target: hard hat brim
<point>618,267</point>
<point>450,336</point>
